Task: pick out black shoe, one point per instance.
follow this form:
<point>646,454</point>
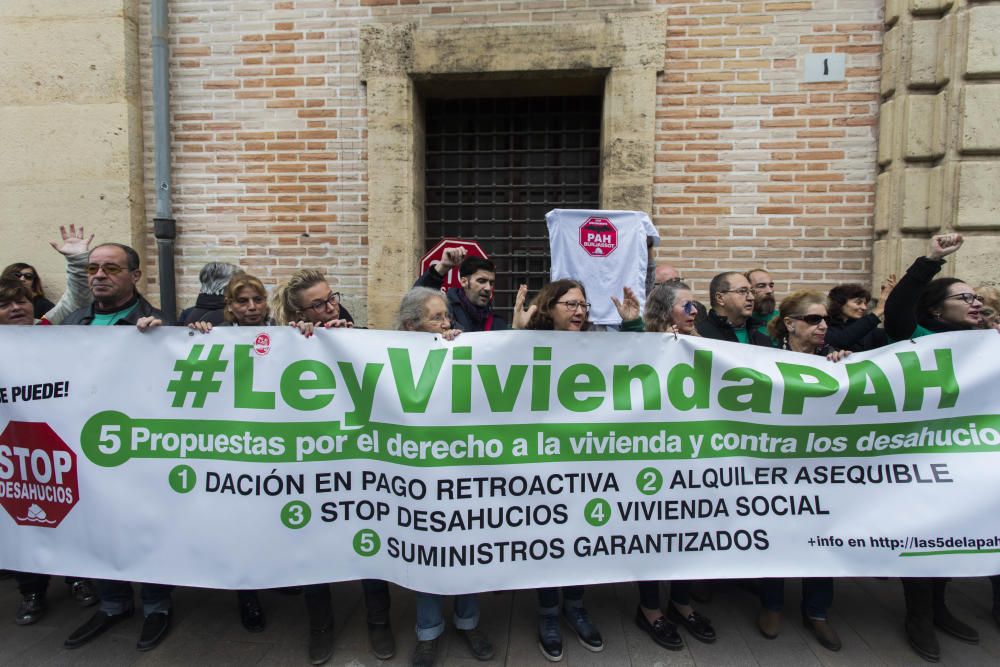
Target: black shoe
<point>97,624</point>
<point>479,644</point>
<point>382,641</point>
<point>699,626</point>
<point>945,621</point>
<point>154,629</point>
<point>252,614</point>
<point>550,638</point>
<point>320,645</point>
<point>579,620</point>
<point>424,654</point>
<point>33,606</point>
<point>83,592</point>
<point>923,639</point>
<point>661,631</point>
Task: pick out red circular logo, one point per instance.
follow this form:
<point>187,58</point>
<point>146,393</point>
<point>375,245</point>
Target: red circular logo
<point>598,237</point>
<point>262,344</point>
<point>38,483</point>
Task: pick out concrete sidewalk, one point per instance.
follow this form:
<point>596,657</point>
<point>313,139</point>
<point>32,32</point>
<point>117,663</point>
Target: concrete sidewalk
<point>867,613</point>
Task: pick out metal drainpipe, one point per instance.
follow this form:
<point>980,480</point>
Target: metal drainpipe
<point>164,225</point>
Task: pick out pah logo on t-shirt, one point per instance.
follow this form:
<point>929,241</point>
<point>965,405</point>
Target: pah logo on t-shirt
<point>598,237</point>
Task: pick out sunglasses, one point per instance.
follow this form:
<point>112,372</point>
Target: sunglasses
<point>813,320</point>
<point>109,269</point>
<point>24,275</point>
<point>690,308</point>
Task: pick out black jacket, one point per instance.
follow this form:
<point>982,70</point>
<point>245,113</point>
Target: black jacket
<point>460,317</point>
<point>901,318</point>
<point>716,327</point>
<point>856,335</point>
<point>207,308</point>
<point>142,309</point>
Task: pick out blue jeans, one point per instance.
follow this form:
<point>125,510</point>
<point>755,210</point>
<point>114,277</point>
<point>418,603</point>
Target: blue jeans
<point>817,596</point>
<point>430,620</point>
<point>548,599</point>
<point>116,597</point>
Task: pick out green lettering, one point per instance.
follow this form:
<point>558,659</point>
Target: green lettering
<point>700,375</point>
<point>858,375</point>
<point>755,396</point>
<point>797,390</point>
<point>362,394</point>
<point>294,382</point>
<point>649,382</point>
<point>502,397</point>
<point>917,380</point>
<point>570,384</point>
<point>244,395</point>
<point>414,395</point>
<point>541,379</point>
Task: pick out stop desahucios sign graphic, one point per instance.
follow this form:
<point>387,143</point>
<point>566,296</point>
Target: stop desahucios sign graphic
<point>38,482</point>
<point>598,236</point>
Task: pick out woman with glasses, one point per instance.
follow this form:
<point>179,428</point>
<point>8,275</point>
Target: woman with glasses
<point>921,305</point>
<point>307,302</point>
<point>853,326</point>
<point>562,306</point>
<point>671,308</point>
<point>801,326</point>
<point>426,310</point>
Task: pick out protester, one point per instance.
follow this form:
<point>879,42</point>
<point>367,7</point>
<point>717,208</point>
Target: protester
<point>852,326</point>
<point>562,306</point>
<point>210,303</point>
<point>918,306</point>
<point>244,304</point>
<point>665,273</point>
<point>731,316</point>
<point>425,309</point>
<point>671,308</point>
<point>471,305</point>
<point>27,274</point>
<point>764,309</point>
<point>990,312</point>
<point>75,249</point>
<point>307,303</point>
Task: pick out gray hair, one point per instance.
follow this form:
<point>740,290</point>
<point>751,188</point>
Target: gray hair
<point>215,276</point>
<point>414,305</point>
<point>660,304</point>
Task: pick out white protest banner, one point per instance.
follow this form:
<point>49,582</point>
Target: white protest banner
<point>256,458</point>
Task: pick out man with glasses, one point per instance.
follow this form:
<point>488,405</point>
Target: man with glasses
<point>731,316</point>
<point>471,305</point>
<point>112,274</point>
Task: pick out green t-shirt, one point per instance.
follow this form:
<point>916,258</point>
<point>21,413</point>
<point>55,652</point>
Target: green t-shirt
<point>108,319</point>
<point>742,334</point>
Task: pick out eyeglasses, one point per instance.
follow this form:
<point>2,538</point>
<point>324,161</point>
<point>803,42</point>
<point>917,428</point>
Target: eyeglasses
<point>572,306</point>
<point>967,297</point>
<point>764,285</point>
<point>743,291</point>
<point>437,318</point>
<point>109,269</point>
<point>813,320</point>
<point>245,300</point>
<point>24,275</point>
<point>331,300</point>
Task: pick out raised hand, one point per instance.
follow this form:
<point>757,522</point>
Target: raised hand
<point>628,307</point>
<point>522,316</point>
<point>73,242</point>
<point>944,244</point>
<point>450,258</point>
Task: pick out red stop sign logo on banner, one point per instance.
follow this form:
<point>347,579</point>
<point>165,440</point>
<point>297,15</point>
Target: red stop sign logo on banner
<point>437,252</point>
<point>38,484</point>
<point>598,237</point>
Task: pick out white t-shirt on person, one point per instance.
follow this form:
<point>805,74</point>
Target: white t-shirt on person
<point>604,250</point>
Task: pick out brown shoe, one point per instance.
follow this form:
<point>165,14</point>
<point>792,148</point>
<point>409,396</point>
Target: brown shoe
<point>824,632</point>
<point>769,623</point>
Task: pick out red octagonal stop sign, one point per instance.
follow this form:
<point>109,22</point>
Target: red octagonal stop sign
<point>38,484</point>
<point>598,236</point>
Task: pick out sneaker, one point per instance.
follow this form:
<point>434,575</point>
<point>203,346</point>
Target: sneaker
<point>661,631</point>
<point>83,592</point>
<point>479,644</point>
<point>945,621</point>
<point>550,638</point>
<point>823,631</point>
<point>382,641</point>
<point>320,645</point>
<point>699,626</point>
<point>588,635</point>
<point>424,654</point>
<point>31,609</point>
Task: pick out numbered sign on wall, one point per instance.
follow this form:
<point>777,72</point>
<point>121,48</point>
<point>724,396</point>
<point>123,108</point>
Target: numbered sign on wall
<point>822,67</point>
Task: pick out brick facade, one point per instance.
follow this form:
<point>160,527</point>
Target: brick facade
<point>752,165</point>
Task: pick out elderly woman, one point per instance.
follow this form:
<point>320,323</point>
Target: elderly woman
<point>671,308</point>
<point>562,306</point>
<point>801,326</point>
<point>426,310</point>
<point>853,326</point>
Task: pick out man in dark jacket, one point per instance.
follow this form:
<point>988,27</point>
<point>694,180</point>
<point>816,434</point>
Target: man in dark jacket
<point>112,273</point>
<point>731,316</point>
<point>211,303</point>
<point>471,305</point>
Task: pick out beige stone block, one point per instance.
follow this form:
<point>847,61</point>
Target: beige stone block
<point>926,7</point>
<point>628,129</point>
<point>893,10</point>
<point>887,132</point>
<point>976,262</point>
<point>981,119</point>
<point>882,264</point>
<point>36,9</point>
<point>930,53</point>
<point>884,201</point>
<point>978,196</point>
<point>891,55</point>
<point>924,131</point>
<point>983,51</point>
<point>908,249</point>
<point>921,199</point>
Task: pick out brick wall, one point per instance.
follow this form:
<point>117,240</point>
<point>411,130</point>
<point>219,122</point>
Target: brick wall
<point>752,165</point>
